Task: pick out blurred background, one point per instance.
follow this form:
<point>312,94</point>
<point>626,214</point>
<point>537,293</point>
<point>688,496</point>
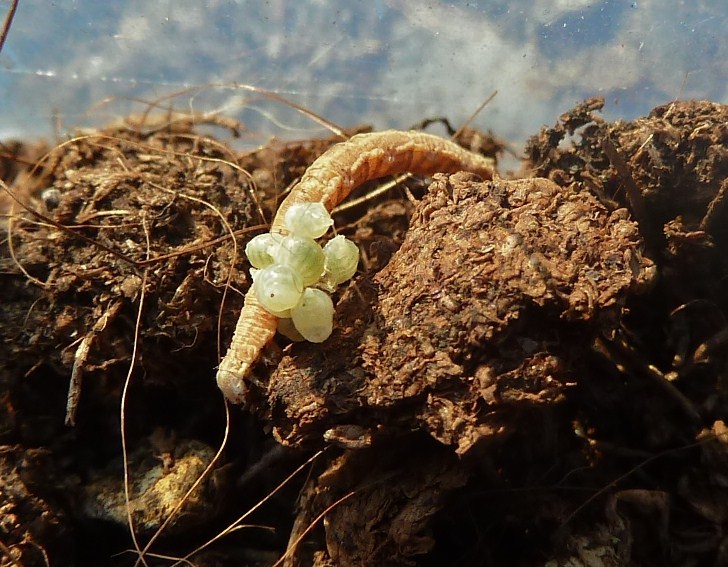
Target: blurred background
<point>389,63</point>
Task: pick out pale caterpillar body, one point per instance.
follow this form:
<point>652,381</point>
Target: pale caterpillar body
<point>278,287</point>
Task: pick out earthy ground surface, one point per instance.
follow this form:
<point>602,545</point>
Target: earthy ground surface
<point>523,372</point>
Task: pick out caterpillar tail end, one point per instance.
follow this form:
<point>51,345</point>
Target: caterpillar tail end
<point>231,384</point>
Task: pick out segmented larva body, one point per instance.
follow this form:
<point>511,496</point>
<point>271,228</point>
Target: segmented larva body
<point>364,157</point>
<point>329,180</point>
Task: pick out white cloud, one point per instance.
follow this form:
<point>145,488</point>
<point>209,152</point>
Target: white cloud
<point>390,62</point>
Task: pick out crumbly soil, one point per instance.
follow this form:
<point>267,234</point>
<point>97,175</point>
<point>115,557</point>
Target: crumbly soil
<point>525,371</point>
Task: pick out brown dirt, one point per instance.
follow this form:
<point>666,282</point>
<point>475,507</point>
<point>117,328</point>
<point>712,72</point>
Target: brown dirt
<point>524,372</point>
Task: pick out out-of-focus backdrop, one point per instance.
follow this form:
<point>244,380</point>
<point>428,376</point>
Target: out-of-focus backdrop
<point>390,63</point>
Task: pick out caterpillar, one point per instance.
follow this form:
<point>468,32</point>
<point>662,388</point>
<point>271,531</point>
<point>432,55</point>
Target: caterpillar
<point>329,180</point>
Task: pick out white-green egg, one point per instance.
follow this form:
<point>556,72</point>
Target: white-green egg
<point>303,255</point>
<point>341,258</point>
<point>288,329</point>
<point>278,288</point>
<point>313,317</point>
<point>285,314</point>
<point>308,219</point>
<point>259,249</point>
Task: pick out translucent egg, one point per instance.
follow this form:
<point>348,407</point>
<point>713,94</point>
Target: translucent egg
<point>259,250</point>
<point>314,315</point>
<point>341,258</point>
<point>278,288</point>
<point>303,255</point>
<point>288,330</point>
<point>311,220</point>
<point>285,314</point>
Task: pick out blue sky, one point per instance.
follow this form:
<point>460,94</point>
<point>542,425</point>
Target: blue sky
<point>387,62</point>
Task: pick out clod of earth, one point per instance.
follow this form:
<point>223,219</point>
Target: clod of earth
<point>33,528</point>
<point>495,286</point>
<point>670,168</point>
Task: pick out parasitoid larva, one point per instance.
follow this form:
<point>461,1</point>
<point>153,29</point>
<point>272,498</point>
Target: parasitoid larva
<point>329,180</point>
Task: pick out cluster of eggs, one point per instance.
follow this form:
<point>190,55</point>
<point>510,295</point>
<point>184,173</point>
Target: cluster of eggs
<point>293,276</point>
